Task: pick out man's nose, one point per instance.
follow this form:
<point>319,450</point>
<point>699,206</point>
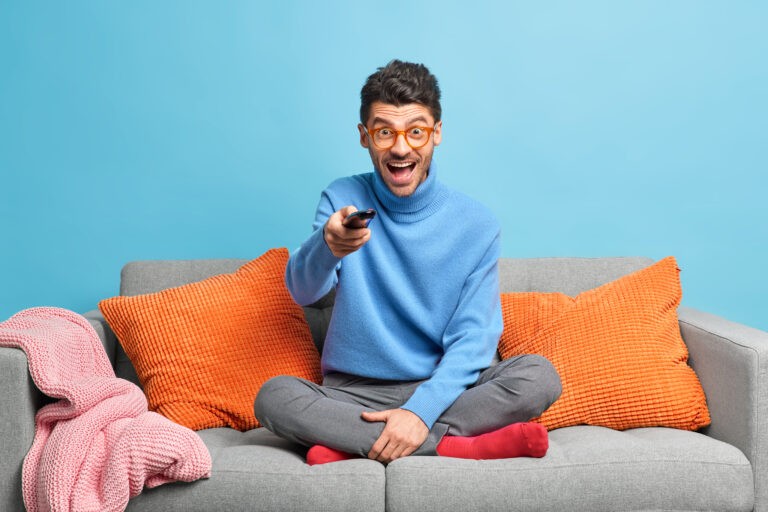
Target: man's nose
<point>401,147</point>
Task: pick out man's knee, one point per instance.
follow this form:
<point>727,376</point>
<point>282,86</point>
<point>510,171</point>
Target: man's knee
<point>548,386</point>
<point>272,397</point>
<point>536,378</point>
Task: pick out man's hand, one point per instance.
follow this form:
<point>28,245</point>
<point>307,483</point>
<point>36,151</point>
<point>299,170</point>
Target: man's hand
<point>342,240</point>
<point>403,434</point>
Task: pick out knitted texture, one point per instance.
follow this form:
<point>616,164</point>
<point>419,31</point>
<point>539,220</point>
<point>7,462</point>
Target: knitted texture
<point>618,349</point>
<point>97,446</point>
<point>203,350</point>
<point>419,301</point>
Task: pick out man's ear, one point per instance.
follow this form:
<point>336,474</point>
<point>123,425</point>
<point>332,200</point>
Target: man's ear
<point>438,133</point>
<point>363,135</point>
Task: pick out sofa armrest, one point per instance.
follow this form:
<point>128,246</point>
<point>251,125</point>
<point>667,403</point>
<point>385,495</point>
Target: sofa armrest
<point>731,361</point>
<point>102,328</point>
<point>19,402</point>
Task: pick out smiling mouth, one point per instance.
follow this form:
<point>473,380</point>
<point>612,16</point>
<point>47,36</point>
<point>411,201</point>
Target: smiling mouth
<point>401,171</point>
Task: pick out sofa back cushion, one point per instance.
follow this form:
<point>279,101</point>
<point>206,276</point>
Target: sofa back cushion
<point>570,276</point>
<point>566,275</point>
<point>140,277</point>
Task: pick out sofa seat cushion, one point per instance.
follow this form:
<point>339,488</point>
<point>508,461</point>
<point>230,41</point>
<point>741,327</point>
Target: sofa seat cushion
<point>256,470</point>
<point>587,468</point>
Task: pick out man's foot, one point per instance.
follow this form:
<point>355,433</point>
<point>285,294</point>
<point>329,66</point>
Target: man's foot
<point>319,454</point>
<point>515,440</point>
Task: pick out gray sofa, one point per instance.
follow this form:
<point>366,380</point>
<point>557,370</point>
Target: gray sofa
<point>722,467</point>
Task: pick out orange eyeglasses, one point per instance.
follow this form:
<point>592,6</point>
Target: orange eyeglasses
<point>416,136</point>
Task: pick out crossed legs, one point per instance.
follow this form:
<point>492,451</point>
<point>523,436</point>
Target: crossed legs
<point>510,392</point>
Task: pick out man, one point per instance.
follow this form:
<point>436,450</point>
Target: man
<point>417,314</point>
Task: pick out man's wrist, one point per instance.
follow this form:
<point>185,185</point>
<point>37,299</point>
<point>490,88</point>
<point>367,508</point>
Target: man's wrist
<point>416,414</point>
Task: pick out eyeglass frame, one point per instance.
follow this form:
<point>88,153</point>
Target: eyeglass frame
<point>373,131</point>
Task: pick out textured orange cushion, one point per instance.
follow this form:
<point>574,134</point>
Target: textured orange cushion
<point>203,350</point>
<point>618,349</point>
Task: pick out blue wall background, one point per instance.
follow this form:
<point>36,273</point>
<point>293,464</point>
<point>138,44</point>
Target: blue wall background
<point>183,129</point>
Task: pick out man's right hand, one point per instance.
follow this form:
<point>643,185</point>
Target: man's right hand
<point>342,240</point>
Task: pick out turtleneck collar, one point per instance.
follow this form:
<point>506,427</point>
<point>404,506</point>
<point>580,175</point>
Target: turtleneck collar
<point>428,197</point>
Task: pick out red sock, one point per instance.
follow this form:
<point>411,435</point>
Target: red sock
<point>515,440</point>
<point>319,454</point>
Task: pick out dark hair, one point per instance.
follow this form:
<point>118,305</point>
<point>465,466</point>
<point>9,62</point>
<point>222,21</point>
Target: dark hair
<point>399,83</point>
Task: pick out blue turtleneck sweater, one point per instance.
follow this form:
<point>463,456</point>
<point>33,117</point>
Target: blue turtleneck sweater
<point>419,301</point>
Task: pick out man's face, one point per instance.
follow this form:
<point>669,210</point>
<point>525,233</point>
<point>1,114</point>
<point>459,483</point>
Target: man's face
<point>401,167</point>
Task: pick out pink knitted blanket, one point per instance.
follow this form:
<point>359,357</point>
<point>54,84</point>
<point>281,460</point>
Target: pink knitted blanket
<point>97,446</point>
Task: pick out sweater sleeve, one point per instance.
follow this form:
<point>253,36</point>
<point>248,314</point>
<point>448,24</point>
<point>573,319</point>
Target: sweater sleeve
<point>311,271</point>
<point>470,341</point>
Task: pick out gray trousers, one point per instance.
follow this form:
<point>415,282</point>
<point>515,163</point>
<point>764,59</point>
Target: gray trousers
<point>517,389</point>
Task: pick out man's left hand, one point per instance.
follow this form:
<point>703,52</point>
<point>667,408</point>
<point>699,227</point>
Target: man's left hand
<point>403,433</point>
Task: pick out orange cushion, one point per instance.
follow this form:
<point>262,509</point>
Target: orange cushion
<point>203,350</point>
<point>618,349</point>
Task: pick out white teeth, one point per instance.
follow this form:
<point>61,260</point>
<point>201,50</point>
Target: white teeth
<point>401,164</point>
